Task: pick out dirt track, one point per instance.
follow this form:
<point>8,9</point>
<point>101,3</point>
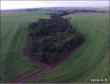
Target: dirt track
<point>45,68</point>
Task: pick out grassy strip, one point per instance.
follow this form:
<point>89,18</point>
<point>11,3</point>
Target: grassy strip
<point>13,40</point>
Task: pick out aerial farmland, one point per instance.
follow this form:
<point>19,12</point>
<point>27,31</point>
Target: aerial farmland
<point>55,45</point>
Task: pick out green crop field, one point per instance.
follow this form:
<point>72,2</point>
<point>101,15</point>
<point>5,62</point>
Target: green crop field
<point>13,40</point>
<point>91,60</point>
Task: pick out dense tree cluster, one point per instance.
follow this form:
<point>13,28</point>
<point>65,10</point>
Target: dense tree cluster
<point>51,38</point>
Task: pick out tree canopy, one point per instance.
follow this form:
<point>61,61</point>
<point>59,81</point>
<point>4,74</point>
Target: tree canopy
<point>52,38</point>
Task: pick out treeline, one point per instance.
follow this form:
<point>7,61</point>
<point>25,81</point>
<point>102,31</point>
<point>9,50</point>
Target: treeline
<point>52,38</point>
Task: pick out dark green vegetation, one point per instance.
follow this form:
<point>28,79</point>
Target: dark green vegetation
<point>52,38</point>
<point>91,60</point>
<point>13,40</point>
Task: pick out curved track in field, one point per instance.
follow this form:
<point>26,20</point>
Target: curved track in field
<point>45,68</point>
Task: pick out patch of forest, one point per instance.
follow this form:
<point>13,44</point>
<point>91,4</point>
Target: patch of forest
<point>52,38</point>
